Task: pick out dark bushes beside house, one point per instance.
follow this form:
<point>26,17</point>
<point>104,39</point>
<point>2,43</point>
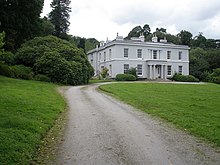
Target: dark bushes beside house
<point>184,78</point>
<point>125,77</point>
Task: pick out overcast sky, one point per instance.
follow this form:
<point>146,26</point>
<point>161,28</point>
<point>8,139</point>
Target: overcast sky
<point>104,18</point>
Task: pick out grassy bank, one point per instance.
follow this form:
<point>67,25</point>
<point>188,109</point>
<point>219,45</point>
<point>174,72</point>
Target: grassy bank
<point>195,108</point>
<point>28,109</point>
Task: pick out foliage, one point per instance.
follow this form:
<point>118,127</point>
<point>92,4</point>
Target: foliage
<point>42,77</point>
<point>2,36</point>
<point>20,21</point>
<point>16,71</point>
<point>133,71</point>
<point>125,77</point>
<point>28,110</point>
<point>59,17</point>
<point>184,78</point>
<point>194,108</point>
<point>58,59</point>
<point>185,37</point>
<point>104,73</point>
<point>7,57</point>
<point>138,30</point>
<point>46,27</point>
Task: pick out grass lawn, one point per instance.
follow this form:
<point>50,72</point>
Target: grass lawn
<point>195,108</point>
<point>28,109</point>
<point>92,81</point>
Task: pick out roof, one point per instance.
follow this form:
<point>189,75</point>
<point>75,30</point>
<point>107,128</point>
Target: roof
<point>139,43</point>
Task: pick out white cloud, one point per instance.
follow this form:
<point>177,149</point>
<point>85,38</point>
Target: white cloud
<point>101,18</point>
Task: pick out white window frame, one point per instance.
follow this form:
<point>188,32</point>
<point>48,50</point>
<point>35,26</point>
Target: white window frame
<point>139,69</point>
<point>104,56</point>
<point>169,70</point>
<point>139,53</point>
<point>100,56</point>
<point>155,54</point>
<point>126,50</point>
<point>110,54</point>
<point>180,55</point>
<point>180,69</point>
<point>126,68</point>
<point>168,54</point>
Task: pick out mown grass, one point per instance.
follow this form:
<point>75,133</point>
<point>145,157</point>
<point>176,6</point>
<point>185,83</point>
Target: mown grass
<point>195,108</point>
<point>92,81</point>
<point>28,109</point>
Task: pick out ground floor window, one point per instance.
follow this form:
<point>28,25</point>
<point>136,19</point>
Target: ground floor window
<point>169,67</point>
<point>139,69</point>
<point>180,69</point>
<point>126,68</point>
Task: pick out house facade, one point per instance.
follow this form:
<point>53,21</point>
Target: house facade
<point>152,60</point>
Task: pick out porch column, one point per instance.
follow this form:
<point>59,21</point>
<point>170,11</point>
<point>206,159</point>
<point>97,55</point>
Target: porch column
<point>150,71</point>
<point>162,72</point>
<point>154,71</point>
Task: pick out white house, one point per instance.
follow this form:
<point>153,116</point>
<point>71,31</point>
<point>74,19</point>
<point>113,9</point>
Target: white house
<point>152,60</point>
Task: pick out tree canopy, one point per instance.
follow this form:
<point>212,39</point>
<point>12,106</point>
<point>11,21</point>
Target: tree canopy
<point>59,17</point>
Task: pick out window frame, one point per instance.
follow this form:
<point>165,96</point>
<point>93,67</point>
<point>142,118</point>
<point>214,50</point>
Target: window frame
<point>154,54</point>
<point>169,70</point>
<point>168,54</point>
<point>180,55</point>
<point>139,70</point>
<point>139,53</point>
<point>180,69</point>
<point>126,50</point>
<point>126,68</point>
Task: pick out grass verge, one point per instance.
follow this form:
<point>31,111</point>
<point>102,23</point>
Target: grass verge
<point>92,81</point>
<point>195,108</point>
<point>28,109</point>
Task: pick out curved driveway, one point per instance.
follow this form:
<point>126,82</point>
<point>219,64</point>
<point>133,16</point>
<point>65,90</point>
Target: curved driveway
<point>103,131</point>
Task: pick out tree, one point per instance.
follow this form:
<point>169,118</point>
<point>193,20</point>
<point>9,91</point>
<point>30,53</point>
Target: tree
<point>138,30</point>
<point>58,59</point>
<point>199,41</point>
<point>185,37</point>
<point>20,21</point>
<point>59,17</point>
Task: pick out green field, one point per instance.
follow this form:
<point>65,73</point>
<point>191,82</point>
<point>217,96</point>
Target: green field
<point>28,109</point>
<point>194,108</point>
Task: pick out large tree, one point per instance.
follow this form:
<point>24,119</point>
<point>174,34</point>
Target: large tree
<point>185,37</point>
<point>59,16</point>
<point>20,21</point>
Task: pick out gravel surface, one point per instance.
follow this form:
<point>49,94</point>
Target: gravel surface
<point>101,130</point>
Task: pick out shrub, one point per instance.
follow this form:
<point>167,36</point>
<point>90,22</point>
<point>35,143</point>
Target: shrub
<point>5,70</point>
<point>58,59</point>
<point>216,80</point>
<point>184,78</point>
<point>133,71</point>
<point>7,58</point>
<point>104,72</point>
<point>21,71</point>
<point>125,77</point>
<point>42,77</point>
<point>16,71</point>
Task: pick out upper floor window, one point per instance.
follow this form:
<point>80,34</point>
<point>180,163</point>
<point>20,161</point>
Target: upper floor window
<point>125,52</point>
<point>169,67</point>
<point>180,55</point>
<point>139,53</point>
<point>100,55</point>
<point>110,54</point>
<point>154,54</point>
<point>180,69</point>
<point>126,68</point>
<point>104,56</point>
<point>139,69</point>
<point>168,54</point>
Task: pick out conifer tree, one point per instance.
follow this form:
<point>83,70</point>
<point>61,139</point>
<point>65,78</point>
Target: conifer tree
<point>59,16</point>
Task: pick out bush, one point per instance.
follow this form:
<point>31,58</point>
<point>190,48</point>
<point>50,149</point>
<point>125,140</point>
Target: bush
<point>7,58</point>
<point>133,71</point>
<point>5,70</point>
<point>184,78</point>
<point>16,71</point>
<point>42,77</point>
<point>104,72</point>
<point>125,77</point>
<point>58,59</point>
<point>216,80</point>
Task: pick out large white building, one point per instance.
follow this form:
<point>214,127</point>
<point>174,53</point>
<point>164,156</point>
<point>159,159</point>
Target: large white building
<point>152,60</point>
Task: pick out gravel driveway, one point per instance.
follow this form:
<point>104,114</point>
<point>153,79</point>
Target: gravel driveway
<point>102,130</point>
